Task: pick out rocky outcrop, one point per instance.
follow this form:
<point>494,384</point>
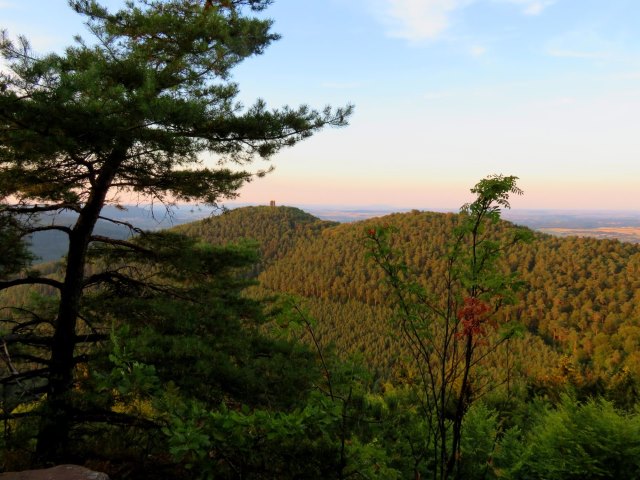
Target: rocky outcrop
<point>61,472</point>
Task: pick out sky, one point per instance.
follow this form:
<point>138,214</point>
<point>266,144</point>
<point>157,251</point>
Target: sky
<point>446,92</point>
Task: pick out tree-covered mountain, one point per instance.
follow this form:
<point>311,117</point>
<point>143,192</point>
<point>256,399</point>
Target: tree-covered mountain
<point>580,299</point>
<point>275,229</point>
<point>578,304</point>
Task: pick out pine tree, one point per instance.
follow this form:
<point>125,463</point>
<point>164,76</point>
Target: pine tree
<point>129,112</point>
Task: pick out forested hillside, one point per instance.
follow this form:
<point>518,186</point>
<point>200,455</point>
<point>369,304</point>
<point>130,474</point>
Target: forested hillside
<point>275,229</point>
<point>578,306</point>
<point>580,297</point>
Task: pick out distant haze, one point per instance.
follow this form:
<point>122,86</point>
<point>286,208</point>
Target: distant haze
<point>52,245</point>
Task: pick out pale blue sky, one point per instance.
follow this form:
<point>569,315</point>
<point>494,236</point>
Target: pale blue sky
<point>446,92</point>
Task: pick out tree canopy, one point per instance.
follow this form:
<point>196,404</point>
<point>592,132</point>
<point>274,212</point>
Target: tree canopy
<point>130,111</point>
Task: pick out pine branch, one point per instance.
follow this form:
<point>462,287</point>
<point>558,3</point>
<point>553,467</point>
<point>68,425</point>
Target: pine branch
<point>91,338</point>
<point>130,226</point>
<point>29,231</point>
<point>30,358</point>
<point>33,340</point>
<point>31,209</point>
<point>120,243</point>
<point>113,418</point>
<point>31,281</point>
<point>39,373</point>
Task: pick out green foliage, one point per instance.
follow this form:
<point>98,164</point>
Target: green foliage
<point>404,432</point>
<point>477,250</point>
<point>14,253</point>
<point>479,437</point>
<point>253,444</point>
<point>130,377</point>
<point>190,314</point>
<point>333,433</point>
<point>572,440</point>
<point>575,441</point>
<point>508,455</point>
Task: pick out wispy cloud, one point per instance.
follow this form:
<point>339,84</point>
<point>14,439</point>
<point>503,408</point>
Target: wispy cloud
<point>419,20</point>
<point>536,8</point>
<point>531,7</point>
<point>477,50</point>
<point>4,5</point>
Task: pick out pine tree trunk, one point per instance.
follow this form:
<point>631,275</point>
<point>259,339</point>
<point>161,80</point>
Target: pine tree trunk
<point>57,415</point>
<point>55,425</point>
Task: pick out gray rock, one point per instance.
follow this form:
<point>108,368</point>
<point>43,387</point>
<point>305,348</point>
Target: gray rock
<point>61,472</point>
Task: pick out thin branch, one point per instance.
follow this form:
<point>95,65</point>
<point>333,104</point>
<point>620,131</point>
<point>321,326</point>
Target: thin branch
<point>88,323</point>
<point>22,326</point>
<point>40,208</point>
<point>120,243</point>
<point>130,226</point>
<point>31,281</point>
<point>41,372</point>
<point>29,231</point>
<point>30,358</point>
<point>33,340</point>
<point>12,416</point>
<point>37,319</point>
<point>327,372</point>
<point>113,418</point>
<point>115,278</point>
<point>91,338</point>
<point>7,359</point>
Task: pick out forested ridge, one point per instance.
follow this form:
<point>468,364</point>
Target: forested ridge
<point>580,299</point>
<point>344,297</point>
<point>275,229</point>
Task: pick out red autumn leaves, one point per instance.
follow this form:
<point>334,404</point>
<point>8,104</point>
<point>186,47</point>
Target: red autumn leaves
<point>473,316</point>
